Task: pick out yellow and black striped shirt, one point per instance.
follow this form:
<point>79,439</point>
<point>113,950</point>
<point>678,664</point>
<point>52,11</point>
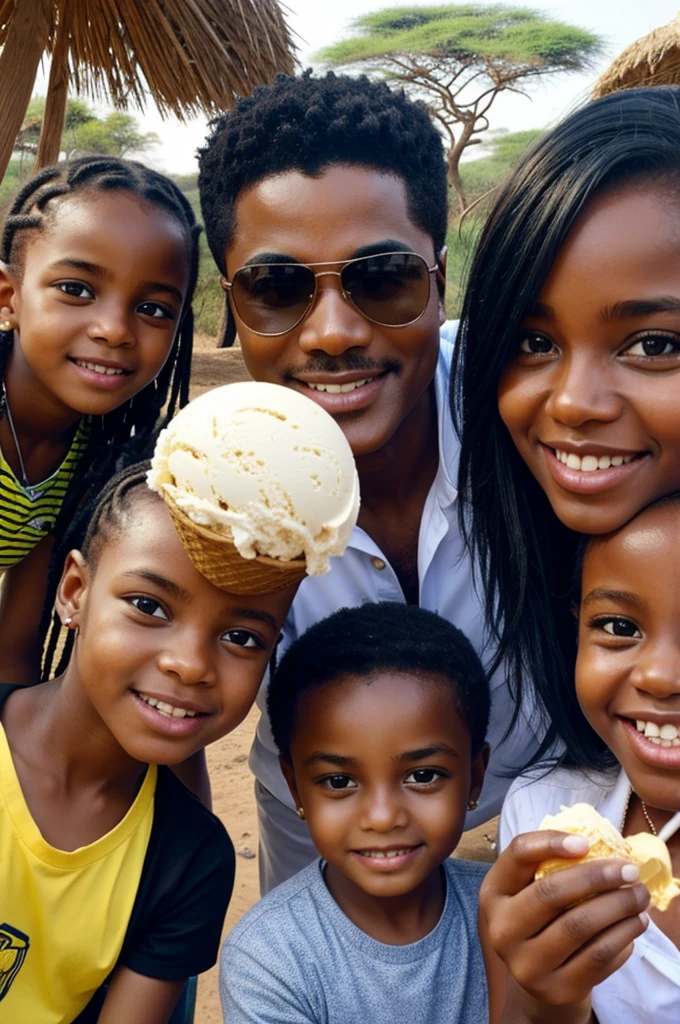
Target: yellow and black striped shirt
<point>27,514</point>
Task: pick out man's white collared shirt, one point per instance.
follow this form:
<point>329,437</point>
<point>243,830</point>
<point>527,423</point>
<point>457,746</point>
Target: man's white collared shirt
<point>363,574</point>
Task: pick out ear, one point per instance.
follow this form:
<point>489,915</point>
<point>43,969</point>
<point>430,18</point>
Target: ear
<point>72,589</point>
<point>477,770</point>
<point>289,776</point>
<point>441,284</point>
<point>9,293</point>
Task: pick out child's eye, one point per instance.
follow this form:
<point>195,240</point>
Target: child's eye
<point>148,606</point>
<point>156,311</point>
<point>618,626</point>
<point>424,776</point>
<point>75,289</point>
<point>339,782</point>
<point>242,638</point>
<point>533,344</point>
<point>654,344</point>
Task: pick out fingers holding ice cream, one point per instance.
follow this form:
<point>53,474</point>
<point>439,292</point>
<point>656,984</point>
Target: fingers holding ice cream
<point>261,484</point>
<point>647,851</point>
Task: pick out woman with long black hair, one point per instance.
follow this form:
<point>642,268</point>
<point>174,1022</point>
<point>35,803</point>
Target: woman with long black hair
<point>566,387</point>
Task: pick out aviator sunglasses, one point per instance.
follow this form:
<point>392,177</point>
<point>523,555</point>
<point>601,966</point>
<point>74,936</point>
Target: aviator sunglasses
<point>391,289</point>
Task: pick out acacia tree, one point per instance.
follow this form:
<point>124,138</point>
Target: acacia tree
<point>458,58</point>
<point>84,132</point>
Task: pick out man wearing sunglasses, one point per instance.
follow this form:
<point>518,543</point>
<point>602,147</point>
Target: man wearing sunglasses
<point>325,202</point>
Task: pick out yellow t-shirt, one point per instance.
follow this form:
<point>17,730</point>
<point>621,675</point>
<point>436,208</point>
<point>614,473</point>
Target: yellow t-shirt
<point>63,915</point>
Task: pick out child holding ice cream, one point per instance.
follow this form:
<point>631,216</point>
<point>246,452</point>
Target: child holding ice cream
<point>586,944</point>
<point>110,870</point>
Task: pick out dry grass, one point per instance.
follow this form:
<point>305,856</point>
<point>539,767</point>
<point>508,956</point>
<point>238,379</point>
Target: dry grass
<point>192,56</point>
<point>652,60</point>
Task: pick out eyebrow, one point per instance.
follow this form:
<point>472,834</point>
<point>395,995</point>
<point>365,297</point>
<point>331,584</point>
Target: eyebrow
<point>338,760</point>
<point>372,249</point>
<point>632,308</point>
<point>422,754</point>
<point>426,752</point>
<point>628,310</point>
<point>68,263</point>
<point>616,596</point>
<point>257,615</point>
<point>169,586</point>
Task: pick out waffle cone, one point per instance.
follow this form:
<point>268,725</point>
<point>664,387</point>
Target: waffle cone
<point>217,559</point>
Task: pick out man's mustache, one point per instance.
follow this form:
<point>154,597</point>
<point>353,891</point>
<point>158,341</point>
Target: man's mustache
<point>342,364</point>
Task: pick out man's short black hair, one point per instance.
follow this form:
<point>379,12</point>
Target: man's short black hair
<point>308,124</point>
<point>374,638</point>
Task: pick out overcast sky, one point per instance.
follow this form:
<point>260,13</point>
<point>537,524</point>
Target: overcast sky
<point>320,22</point>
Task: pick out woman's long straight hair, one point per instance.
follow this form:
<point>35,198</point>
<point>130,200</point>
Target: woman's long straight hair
<point>527,558</point>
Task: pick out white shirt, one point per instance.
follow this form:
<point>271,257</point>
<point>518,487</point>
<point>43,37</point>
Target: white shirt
<point>363,574</point>
<point>647,987</point>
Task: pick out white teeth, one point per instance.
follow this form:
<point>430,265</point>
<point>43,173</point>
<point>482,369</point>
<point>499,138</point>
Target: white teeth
<point>388,854</point>
<point>165,709</point>
<point>98,368</point>
<point>667,735</point>
<point>339,389</point>
<point>589,463</point>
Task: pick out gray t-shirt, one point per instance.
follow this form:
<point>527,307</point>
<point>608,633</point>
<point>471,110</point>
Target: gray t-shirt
<point>296,958</point>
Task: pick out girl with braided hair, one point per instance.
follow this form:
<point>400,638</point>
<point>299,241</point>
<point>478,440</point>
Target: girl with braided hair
<point>99,258</point>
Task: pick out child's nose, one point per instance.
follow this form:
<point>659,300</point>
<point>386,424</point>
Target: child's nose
<point>383,810</point>
<point>187,659</point>
<point>111,325</point>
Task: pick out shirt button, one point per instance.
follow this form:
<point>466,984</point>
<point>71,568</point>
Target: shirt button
<point>378,563</point>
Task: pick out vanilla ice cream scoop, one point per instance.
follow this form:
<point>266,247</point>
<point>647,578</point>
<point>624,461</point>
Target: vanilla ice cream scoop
<point>263,469</point>
<point>647,851</point>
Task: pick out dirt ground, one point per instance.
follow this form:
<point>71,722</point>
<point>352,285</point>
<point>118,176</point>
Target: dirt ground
<point>232,783</point>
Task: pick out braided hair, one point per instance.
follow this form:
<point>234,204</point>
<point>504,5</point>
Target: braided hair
<point>96,520</point>
<point>307,124</point>
<point>125,434</point>
<point>32,209</point>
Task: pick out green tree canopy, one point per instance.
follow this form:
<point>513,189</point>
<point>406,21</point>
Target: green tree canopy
<point>458,58</point>
<point>116,134</point>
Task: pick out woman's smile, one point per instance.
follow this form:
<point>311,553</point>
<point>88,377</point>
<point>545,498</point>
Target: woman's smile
<point>590,395</point>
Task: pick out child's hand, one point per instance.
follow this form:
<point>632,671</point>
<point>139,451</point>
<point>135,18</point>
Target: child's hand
<point>569,931</point>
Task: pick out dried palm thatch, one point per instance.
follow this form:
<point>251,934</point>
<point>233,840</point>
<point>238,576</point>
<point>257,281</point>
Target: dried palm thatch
<point>652,60</point>
<point>189,56</point>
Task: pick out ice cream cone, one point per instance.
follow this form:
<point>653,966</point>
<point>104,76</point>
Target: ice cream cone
<point>218,560</point>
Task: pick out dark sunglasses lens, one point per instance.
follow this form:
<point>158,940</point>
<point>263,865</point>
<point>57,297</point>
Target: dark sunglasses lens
<point>272,298</point>
<point>391,289</point>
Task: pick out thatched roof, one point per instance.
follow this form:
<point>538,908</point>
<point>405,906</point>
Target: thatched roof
<point>652,60</point>
<point>191,56</point>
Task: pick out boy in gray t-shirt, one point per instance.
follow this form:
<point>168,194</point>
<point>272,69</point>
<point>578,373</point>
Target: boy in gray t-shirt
<point>380,714</point>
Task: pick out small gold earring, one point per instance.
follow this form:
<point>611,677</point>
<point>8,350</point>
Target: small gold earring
<point>5,326</point>
<point>301,813</point>
<point>68,621</point>
<point>472,805</point>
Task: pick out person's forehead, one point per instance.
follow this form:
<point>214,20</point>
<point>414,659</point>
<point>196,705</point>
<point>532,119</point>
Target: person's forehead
<point>338,212</point>
<point>99,223</point>
<point>654,532</point>
<point>404,709</point>
<point>146,540</point>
